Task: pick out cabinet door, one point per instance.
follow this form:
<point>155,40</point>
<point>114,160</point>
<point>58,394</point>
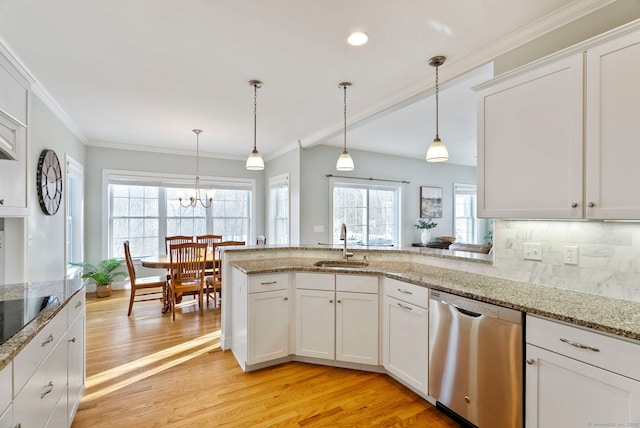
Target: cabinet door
<point>268,333</point>
<point>406,342</point>
<point>563,392</point>
<point>357,327</point>
<point>13,170</point>
<point>315,321</point>
<point>76,363</point>
<point>6,418</point>
<point>530,143</point>
<point>612,129</point>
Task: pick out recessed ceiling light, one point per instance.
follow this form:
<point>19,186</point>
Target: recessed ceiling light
<point>358,38</point>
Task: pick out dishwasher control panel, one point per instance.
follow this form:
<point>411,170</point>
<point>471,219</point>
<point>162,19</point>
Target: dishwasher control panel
<point>475,307</point>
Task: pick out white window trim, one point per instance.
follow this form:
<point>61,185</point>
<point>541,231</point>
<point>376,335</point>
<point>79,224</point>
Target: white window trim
<point>274,182</point>
<point>333,181</point>
<point>466,189</point>
<point>181,180</point>
<point>73,169</point>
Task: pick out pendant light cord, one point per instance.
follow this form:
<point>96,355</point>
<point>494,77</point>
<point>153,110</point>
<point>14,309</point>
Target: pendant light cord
<point>255,113</point>
<point>345,117</point>
<point>197,131</point>
<point>437,90</point>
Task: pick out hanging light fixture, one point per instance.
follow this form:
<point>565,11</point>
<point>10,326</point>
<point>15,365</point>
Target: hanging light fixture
<point>345,163</point>
<point>437,151</point>
<point>197,195</point>
<point>255,161</point>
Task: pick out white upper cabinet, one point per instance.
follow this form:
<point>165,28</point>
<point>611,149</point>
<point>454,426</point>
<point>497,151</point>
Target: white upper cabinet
<point>613,129</point>
<point>538,126</point>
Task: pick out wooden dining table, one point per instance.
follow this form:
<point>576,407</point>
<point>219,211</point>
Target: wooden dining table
<point>163,262</point>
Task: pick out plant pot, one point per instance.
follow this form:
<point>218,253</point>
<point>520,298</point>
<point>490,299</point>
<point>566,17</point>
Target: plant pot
<point>103,290</point>
<point>425,236</point>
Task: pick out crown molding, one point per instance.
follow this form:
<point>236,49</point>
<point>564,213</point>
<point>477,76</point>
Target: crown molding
<point>162,150</point>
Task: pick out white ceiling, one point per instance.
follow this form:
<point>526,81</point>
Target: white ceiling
<point>142,74</point>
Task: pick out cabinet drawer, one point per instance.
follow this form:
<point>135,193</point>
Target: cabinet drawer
<point>5,391</point>
<point>406,292</point>
<point>260,283</point>
<point>34,404</point>
<point>316,281</point>
<point>357,283</point>
<point>616,355</point>
<point>26,362</point>
<point>76,306</point>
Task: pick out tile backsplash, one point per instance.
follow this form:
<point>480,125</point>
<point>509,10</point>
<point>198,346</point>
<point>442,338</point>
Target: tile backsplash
<point>608,255</point>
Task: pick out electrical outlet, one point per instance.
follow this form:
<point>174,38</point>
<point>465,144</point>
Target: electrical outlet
<point>532,251</point>
<point>570,255</point>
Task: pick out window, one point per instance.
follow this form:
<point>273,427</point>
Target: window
<point>279,209</point>
<point>74,212</point>
<point>143,210</point>
<point>371,213</point>
<point>464,212</point>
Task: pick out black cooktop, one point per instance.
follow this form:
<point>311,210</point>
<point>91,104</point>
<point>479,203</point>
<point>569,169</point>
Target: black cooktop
<point>15,314</point>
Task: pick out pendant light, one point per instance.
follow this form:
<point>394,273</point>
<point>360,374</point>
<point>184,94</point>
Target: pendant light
<point>437,151</point>
<point>345,163</point>
<point>197,195</point>
<point>255,161</point>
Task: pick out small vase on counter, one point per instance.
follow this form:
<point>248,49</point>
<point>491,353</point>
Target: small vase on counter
<point>425,236</point>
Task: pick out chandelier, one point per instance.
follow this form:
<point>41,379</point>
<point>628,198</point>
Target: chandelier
<point>197,195</point>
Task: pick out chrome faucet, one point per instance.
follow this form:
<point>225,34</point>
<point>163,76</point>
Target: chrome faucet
<point>343,237</point>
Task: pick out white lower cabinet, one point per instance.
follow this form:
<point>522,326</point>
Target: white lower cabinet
<point>76,361</point>
<point>6,418</point>
<point>576,377</point>
<point>337,317</point>
<point>405,333</point>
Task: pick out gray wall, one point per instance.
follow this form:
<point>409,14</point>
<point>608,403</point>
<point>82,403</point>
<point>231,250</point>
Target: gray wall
<point>46,234</point>
<point>318,161</point>
<point>288,162</point>
<point>98,159</point>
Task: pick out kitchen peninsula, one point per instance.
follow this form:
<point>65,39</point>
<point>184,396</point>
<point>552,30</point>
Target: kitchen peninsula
<point>45,359</point>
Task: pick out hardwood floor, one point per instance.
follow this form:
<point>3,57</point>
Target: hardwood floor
<point>147,371</point>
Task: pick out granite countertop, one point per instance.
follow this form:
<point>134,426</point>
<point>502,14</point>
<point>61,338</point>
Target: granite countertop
<point>608,315</point>
<point>62,289</point>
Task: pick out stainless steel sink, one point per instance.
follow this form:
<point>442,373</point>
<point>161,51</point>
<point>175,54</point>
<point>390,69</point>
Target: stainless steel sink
<point>352,264</point>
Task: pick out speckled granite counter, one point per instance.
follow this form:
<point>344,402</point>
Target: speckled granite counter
<point>63,290</point>
<point>613,316</point>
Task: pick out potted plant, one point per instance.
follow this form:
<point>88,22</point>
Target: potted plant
<point>425,235</point>
<point>103,274</point>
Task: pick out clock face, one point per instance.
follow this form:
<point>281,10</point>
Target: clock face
<point>49,182</point>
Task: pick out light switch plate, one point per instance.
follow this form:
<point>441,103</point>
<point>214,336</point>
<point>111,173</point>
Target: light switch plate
<point>532,251</point>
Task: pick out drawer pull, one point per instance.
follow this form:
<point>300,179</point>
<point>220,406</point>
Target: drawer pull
<point>403,291</point>
<point>405,307</point>
<point>579,345</point>
<point>79,304</point>
<point>530,361</point>
<point>48,390</point>
<point>286,298</point>
<point>330,300</point>
<point>269,283</point>
<point>72,340</point>
<point>48,340</point>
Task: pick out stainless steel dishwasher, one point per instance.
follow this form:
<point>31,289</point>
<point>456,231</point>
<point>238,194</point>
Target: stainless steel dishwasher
<point>475,360</point>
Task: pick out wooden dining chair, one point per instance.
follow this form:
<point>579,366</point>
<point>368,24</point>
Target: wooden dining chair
<point>176,239</point>
<point>214,282</point>
<point>188,263</point>
<point>150,287</point>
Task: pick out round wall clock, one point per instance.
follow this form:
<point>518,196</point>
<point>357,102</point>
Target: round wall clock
<point>49,181</point>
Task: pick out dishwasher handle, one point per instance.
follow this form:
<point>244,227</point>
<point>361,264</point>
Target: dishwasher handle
<point>467,312</point>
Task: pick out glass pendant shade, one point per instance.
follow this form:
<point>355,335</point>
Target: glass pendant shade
<point>255,161</point>
<point>437,152</point>
<point>345,163</point>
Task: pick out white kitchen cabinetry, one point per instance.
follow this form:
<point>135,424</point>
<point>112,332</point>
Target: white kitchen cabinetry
<point>5,397</point>
<point>576,377</point>
<point>261,317</point>
<point>76,361</point>
<point>14,95</point>
<point>337,317</point>
<point>405,333</point>
<point>6,418</point>
<point>533,141</point>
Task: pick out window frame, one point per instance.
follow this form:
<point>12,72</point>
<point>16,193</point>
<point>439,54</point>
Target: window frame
<point>75,226</point>
<point>278,182</point>
<point>370,184</point>
<point>172,180</point>
<point>467,189</point>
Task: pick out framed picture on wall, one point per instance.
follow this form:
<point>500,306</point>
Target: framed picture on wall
<point>430,202</point>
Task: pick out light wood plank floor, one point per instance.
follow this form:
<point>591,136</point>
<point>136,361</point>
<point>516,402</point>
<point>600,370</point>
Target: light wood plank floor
<point>147,371</point>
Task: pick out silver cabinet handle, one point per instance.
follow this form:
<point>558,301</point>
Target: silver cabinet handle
<point>1,201</point>
<point>286,298</point>
<point>48,340</point>
<point>72,340</point>
<point>579,345</point>
<point>574,205</point>
<point>403,291</point>
<point>409,308</point>
<point>591,204</point>
<point>331,301</point>
<point>269,283</point>
<point>338,301</point>
<point>48,390</point>
<point>530,361</point>
<point>79,304</point>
